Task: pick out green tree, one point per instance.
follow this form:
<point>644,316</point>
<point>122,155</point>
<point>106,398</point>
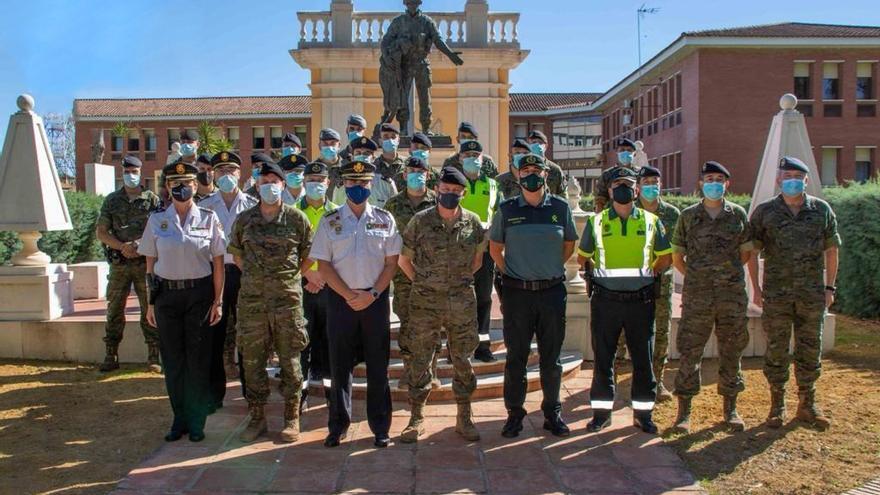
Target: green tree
<point>211,140</point>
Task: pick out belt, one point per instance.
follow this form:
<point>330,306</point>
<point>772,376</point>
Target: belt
<point>644,294</point>
<point>184,284</point>
<point>532,285</point>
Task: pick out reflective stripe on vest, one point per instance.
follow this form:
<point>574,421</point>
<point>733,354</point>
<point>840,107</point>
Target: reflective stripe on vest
<point>481,197</point>
<point>646,221</point>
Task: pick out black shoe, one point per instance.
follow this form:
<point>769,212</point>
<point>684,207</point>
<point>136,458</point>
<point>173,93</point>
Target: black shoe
<point>174,435</point>
<point>197,437</point>
<point>599,422</point>
<point>644,422</point>
<point>382,441</point>
<point>333,439</point>
<point>512,427</point>
<point>485,355</point>
<point>557,426</point>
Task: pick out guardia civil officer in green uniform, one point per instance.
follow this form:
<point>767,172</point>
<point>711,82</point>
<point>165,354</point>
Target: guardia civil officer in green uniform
<point>626,247</point>
<point>120,226</point>
<point>468,132</point>
<point>184,245</point>
<point>710,245</point>
<point>797,234</point>
<point>531,237</point>
<point>538,145</point>
<point>483,198</point>
<point>625,151</point>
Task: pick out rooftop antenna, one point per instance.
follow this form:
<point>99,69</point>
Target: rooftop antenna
<point>640,13</point>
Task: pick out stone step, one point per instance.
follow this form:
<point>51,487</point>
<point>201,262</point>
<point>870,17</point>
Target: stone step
<point>496,343</point>
<point>444,367</point>
<point>495,324</point>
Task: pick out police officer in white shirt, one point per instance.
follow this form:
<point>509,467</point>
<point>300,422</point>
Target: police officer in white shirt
<point>184,247</point>
<point>358,245</point>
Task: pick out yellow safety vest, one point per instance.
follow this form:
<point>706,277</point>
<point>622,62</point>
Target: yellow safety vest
<point>619,255</point>
<point>481,198</point>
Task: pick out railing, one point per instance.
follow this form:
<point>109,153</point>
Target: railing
<point>314,29</point>
<point>503,28</point>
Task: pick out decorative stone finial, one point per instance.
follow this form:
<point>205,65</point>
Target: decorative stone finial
<point>788,101</point>
<point>25,103</point>
<point>640,146</point>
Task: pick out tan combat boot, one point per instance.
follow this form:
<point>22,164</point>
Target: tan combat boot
<point>731,417</point>
<point>256,426</point>
<point>464,423</point>
<point>290,432</point>
<point>683,420</point>
<point>230,369</point>
<point>663,393</point>
<point>809,413</point>
<point>416,427</point>
<point>153,365</point>
<point>776,418</point>
<point>111,359</point>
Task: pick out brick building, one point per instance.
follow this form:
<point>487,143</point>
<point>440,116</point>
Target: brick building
<point>710,95</point>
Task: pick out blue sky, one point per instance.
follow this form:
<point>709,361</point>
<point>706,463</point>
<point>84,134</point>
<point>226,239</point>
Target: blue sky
<point>59,50</point>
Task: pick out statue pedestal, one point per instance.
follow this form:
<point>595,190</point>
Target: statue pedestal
<point>100,179</point>
<point>35,292</point>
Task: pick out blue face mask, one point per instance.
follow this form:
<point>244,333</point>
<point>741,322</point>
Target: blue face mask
<point>793,187</point>
<point>357,194</point>
<point>227,183</point>
<point>316,190</point>
<point>416,181</point>
<point>472,165</point>
<point>390,145</point>
<point>329,152</point>
<point>517,159</point>
<point>713,190</point>
<point>538,148</point>
<point>423,154</point>
<point>270,193</point>
<point>651,192</point>
<point>625,157</point>
<point>288,150</point>
<point>352,135</point>
<point>255,173</point>
<point>362,158</point>
<point>294,179</point>
<point>187,149</point>
<point>131,180</point>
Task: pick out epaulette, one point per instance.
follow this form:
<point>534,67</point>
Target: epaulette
<point>331,212</point>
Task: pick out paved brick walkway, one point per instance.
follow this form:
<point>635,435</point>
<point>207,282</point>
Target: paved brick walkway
<point>620,460</point>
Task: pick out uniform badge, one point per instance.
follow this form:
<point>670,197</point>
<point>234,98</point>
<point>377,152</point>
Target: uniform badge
<point>163,226</point>
<point>180,169</point>
<point>554,219</point>
<point>358,167</point>
<point>224,156</point>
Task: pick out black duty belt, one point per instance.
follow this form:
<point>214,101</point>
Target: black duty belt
<point>644,294</point>
<point>184,284</point>
<point>532,285</point>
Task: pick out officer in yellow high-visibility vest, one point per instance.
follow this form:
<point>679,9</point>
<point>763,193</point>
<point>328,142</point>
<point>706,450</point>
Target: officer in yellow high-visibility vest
<point>483,197</point>
<point>625,246</point>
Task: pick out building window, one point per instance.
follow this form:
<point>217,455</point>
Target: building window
<point>149,144</point>
<point>300,131</point>
<point>173,137</point>
<point>864,80</point>
<point>829,166</point>
<point>232,137</point>
<point>834,110</point>
<point>538,127</point>
<point>259,141</point>
<point>806,109</point>
<point>866,110</point>
<point>116,143</point>
<point>830,81</point>
<point>520,131</point>
<point>678,91</point>
<point>802,86</point>
<point>864,162</point>
<point>134,141</point>
<point>678,118</point>
<point>275,137</point>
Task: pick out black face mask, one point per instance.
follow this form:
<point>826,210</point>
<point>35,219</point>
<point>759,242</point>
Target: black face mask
<point>449,201</point>
<point>182,193</point>
<point>205,178</point>
<point>532,182</point>
<point>623,194</point>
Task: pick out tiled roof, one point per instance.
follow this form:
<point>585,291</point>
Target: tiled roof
<point>791,30</point>
<point>539,102</point>
<point>166,107</point>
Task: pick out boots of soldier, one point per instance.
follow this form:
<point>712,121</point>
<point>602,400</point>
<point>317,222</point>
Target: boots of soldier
<point>732,418</point>
<point>464,423</point>
<point>809,413</point>
<point>416,426</point>
<point>230,369</point>
<point>153,365</point>
<point>683,420</point>
<point>776,418</point>
<point>663,394</point>
<point>111,359</point>
<point>290,432</point>
<point>256,426</point>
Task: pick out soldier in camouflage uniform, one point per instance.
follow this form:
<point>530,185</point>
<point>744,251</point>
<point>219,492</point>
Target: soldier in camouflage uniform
<point>507,182</point>
<point>798,236</point>
<point>625,150</point>
<point>537,142</point>
<point>443,247</point>
<point>419,147</point>
<point>467,132</point>
<point>389,164</point>
<point>270,243</point>
<point>711,243</point>
<point>120,226</point>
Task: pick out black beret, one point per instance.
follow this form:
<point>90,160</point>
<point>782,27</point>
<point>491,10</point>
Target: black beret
<point>225,158</point>
<point>329,135</point>
<point>649,171</point>
<point>261,158</point>
<point>271,168</point>
<point>317,168</point>
<point>389,128</point>
<point>204,158</point>
<point>364,142</point>
<point>622,173</point>
<point>521,144</point>
<point>189,135</point>
<point>180,169</point>
<point>358,169</point>
<point>792,163</point>
<point>471,146</point>
<point>421,139</point>
<point>293,162</point>
<point>292,138</point>
<point>468,127</point>
<point>355,119</point>
<point>416,162</point>
<point>131,161</point>
<point>626,142</point>
<point>538,135</point>
<point>451,175</point>
<point>711,167</point>
<point>532,159</point>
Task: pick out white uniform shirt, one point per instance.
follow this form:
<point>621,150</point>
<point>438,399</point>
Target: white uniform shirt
<point>183,252</point>
<point>382,190</point>
<point>226,215</point>
<point>356,247</point>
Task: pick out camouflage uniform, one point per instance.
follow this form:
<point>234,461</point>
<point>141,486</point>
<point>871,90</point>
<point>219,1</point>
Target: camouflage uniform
<point>555,179</point>
<point>400,181</point>
<point>442,296</point>
<point>270,314</point>
<point>125,219</point>
<point>714,294</point>
<point>508,185</point>
<point>489,169</point>
<point>794,286</point>
<point>390,170</point>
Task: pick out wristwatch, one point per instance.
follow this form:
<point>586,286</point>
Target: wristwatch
<point>832,288</point>
<point>374,293</point>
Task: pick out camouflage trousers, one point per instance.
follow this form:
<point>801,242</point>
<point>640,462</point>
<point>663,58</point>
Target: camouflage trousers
<point>261,331</point>
<point>705,307</point>
<point>455,312</point>
<point>119,282</point>
<point>806,319</point>
<point>400,304</point>
<point>662,324</point>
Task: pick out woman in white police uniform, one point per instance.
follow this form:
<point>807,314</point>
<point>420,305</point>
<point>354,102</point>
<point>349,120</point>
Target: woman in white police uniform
<point>184,246</point>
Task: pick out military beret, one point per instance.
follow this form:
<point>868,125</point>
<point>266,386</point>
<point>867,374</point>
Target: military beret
<point>355,119</point>
<point>271,168</point>
<point>468,127</point>
<point>622,173</point>
<point>471,146</point>
<point>421,139</point>
<point>520,143</point>
<point>451,175</point>
<point>416,162</point>
<point>131,161</point>
<point>626,142</point>
<point>292,138</point>
<point>293,162</point>
<point>204,158</point>
<point>317,168</point>
<point>538,135</point>
<point>328,135</point>
<point>649,171</point>
<point>792,163</point>
<point>711,167</point>
<point>225,158</point>
<point>189,135</point>
<point>179,169</point>
<point>261,158</point>
<point>358,169</point>
<point>364,142</point>
<point>532,159</point>
<point>389,128</point>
